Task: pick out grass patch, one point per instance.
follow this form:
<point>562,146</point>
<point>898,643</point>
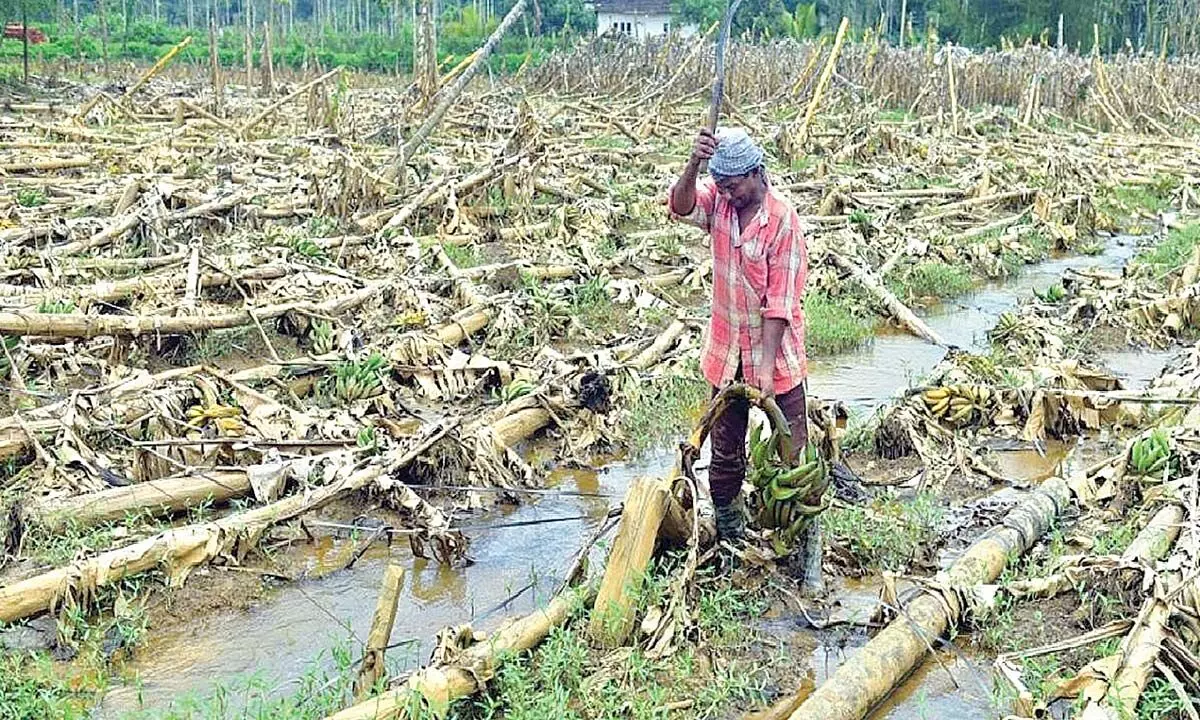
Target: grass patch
<point>894,115</point>
<point>463,256</point>
<point>663,409</point>
<point>1114,540</point>
<point>889,533</point>
<point>565,678</point>
<point>33,687</point>
<point>832,325</point>
<point>591,304</point>
<point>934,279</point>
<point>1173,252</point>
<point>1151,198</point>
<point>31,197</point>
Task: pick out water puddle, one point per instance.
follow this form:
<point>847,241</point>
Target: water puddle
<point>870,375</point>
<point>279,639</point>
<point>954,683</point>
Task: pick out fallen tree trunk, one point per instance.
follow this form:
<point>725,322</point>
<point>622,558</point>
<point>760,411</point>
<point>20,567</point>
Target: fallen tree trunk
<point>899,310</point>
<point>645,506</point>
<point>450,95</point>
<point>869,676</point>
<point>154,497</point>
<point>441,685</point>
<point>180,549</point>
<point>110,291</point>
<point>78,325</point>
<point>1152,543</point>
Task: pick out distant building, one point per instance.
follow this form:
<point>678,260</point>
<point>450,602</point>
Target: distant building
<point>637,18</point>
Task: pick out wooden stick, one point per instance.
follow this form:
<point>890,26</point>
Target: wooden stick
<point>953,87</point>
<point>373,670</point>
<point>285,100</point>
<point>800,136</point>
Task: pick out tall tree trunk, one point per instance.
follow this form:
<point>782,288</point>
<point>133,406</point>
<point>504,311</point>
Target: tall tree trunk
<point>25,40</point>
<point>104,34</point>
<point>78,40</point>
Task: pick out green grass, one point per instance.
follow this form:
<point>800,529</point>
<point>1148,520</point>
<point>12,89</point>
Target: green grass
<point>463,256</point>
<point>889,533</point>
<point>1151,198</point>
<point>1114,540</point>
<point>663,409</point>
<point>33,687</point>
<point>591,304</point>
<point>56,307</point>
<point>1159,701</point>
<point>894,115</point>
<point>1173,252</point>
<point>565,677</point>
<point>834,325</point>
<point>933,279</point>
<point>31,197</point>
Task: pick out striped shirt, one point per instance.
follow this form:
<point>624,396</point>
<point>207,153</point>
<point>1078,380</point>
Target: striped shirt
<point>758,272</point>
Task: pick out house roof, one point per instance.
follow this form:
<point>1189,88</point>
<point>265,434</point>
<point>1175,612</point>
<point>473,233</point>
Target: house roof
<point>634,6</point>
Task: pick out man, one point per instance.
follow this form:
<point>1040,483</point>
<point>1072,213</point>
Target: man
<point>756,333</point>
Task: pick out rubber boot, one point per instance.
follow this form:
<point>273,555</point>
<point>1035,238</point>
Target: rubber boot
<point>806,560</point>
<point>731,520</point>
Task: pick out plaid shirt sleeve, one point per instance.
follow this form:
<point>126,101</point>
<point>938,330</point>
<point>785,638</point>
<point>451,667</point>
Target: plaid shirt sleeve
<point>706,202</point>
<point>787,271</point>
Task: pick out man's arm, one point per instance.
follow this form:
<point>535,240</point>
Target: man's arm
<point>772,337</point>
<point>683,194</point>
<point>787,270</point>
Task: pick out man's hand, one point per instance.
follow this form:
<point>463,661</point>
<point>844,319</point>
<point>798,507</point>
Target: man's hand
<point>704,147</point>
<point>772,337</point>
<point>683,197</point>
<point>766,378</point>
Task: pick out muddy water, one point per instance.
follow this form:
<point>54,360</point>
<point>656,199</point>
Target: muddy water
<point>870,375</point>
<point>281,637</point>
<point>302,621</point>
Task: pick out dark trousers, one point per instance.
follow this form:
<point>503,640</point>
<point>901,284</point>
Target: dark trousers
<point>728,467</point>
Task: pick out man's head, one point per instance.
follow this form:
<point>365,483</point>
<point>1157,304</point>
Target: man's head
<point>737,167</point>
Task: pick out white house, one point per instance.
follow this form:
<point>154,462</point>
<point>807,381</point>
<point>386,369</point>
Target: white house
<point>637,18</point>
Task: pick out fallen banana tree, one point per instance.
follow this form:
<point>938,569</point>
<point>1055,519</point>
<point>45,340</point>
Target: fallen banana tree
<point>180,549</point>
<point>78,325</point>
<point>867,677</point>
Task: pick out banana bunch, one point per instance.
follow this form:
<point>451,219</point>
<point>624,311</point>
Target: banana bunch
<point>957,404</point>
<point>518,387</point>
<point>358,380</point>
<point>1008,327</point>
<point>226,418</point>
<point>1152,454</point>
<point>788,496</point>
<point>321,334</point>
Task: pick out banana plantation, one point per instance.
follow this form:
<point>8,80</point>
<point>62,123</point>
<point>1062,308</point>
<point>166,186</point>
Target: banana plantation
<point>336,394</point>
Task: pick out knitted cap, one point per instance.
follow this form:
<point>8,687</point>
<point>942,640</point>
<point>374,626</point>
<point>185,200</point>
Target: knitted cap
<point>737,153</point>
